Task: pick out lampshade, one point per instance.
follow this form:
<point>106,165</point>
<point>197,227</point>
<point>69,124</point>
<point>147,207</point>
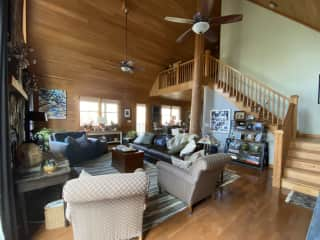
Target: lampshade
<point>210,140</point>
<point>38,116</point>
<point>200,27</point>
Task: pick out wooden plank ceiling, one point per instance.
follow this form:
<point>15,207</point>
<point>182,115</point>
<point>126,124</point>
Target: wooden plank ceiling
<point>75,40</point>
<point>306,12</point>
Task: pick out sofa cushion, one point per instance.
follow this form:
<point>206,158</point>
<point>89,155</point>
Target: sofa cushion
<point>160,141</point>
<point>83,141</point>
<point>60,137</point>
<point>177,140</point>
<point>147,138</point>
<point>139,139</point>
<point>176,149</point>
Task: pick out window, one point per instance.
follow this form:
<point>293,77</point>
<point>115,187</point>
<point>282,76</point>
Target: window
<point>96,110</point>
<point>141,118</point>
<point>89,111</point>
<point>170,115</point>
<point>109,112</point>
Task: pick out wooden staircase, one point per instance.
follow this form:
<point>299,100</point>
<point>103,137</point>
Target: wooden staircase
<point>302,168</point>
<point>296,160</point>
<point>243,91</point>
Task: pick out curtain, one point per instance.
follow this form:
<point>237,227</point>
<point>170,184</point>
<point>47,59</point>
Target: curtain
<point>7,210</point>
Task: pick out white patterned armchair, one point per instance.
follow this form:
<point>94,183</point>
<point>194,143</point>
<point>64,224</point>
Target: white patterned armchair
<point>106,207</point>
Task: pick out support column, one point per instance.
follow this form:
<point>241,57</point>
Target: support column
<point>196,85</point>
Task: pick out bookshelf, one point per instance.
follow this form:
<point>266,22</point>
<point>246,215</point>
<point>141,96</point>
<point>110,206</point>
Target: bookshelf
<point>247,144</point>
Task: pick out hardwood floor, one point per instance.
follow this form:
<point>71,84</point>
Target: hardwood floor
<point>248,209</point>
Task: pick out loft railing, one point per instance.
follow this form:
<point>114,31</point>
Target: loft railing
<point>179,73</point>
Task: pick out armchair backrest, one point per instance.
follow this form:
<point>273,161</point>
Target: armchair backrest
<point>106,207</point>
<point>206,171</point>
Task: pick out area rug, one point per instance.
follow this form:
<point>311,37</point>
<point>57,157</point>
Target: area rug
<point>160,207</point>
<point>301,200</point>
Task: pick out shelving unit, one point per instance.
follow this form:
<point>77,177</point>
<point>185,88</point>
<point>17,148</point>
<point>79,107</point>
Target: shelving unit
<point>247,144</point>
<point>112,137</point>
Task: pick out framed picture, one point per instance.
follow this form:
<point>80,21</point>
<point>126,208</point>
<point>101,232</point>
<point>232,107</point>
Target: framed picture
<point>220,120</point>
<point>239,115</point>
<point>127,113</point>
<point>53,102</point>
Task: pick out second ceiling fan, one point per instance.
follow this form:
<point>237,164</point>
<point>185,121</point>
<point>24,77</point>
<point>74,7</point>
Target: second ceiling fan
<point>202,22</point>
<point>126,65</point>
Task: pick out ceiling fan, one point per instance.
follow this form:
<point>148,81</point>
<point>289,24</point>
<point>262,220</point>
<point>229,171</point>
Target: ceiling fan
<point>126,65</point>
<point>201,21</point>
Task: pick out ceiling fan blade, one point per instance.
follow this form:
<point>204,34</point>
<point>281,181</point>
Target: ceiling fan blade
<point>138,69</point>
<point>227,19</point>
<point>179,20</point>
<point>130,62</point>
<point>206,7</point>
<point>183,35</point>
<point>211,36</point>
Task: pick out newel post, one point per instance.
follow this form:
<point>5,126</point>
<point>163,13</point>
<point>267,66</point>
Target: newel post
<point>278,158</point>
<point>294,99</point>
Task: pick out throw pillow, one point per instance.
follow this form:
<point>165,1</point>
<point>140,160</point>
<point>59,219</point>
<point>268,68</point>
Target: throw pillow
<point>160,141</point>
<point>84,174</point>
<point>139,139</point>
<point>180,163</point>
<point>147,138</point>
<point>170,143</point>
<point>83,141</point>
<point>188,149</point>
<point>69,140</point>
<point>177,149</point>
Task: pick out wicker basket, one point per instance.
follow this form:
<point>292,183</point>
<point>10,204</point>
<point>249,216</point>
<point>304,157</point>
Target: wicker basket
<point>54,215</point>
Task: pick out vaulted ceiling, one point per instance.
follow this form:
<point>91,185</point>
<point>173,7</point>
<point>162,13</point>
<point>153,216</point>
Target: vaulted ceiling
<point>306,12</point>
<point>74,41</point>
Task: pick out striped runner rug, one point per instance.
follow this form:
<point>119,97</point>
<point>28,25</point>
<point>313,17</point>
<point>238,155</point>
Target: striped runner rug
<point>159,207</point>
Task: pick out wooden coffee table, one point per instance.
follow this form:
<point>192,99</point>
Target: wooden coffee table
<point>127,161</point>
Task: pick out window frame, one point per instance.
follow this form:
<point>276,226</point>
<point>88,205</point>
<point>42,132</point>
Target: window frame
<point>171,107</point>
<point>100,111</point>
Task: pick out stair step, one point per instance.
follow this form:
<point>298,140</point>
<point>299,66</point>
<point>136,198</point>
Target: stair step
<point>304,175</point>
<point>301,186</point>
<point>306,164</point>
<point>307,144</point>
<point>305,154</point>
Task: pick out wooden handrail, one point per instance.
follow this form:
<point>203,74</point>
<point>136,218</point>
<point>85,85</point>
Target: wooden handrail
<point>255,94</point>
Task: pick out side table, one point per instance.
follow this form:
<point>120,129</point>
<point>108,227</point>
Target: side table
<point>39,180</point>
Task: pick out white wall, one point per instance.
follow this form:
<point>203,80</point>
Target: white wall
<point>274,49</point>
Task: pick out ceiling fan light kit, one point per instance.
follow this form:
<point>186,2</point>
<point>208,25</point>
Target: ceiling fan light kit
<point>200,27</point>
<point>202,22</point>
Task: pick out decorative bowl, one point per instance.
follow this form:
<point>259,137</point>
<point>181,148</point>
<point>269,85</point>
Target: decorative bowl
<point>49,166</point>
